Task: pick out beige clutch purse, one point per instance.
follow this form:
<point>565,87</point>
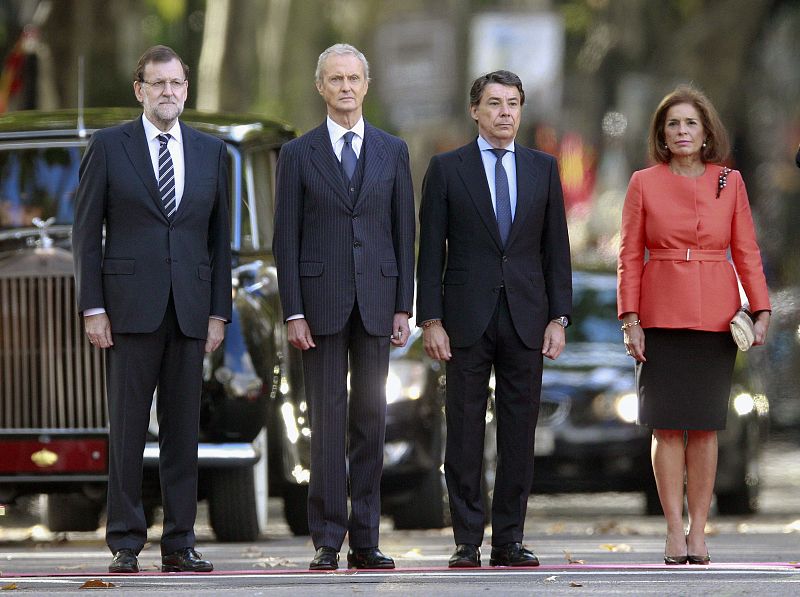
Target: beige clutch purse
<point>742,329</point>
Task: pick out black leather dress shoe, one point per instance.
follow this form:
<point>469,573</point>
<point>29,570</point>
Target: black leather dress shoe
<point>326,558</point>
<point>368,558</point>
<point>124,561</point>
<point>513,554</point>
<point>466,555</point>
<point>185,560</point>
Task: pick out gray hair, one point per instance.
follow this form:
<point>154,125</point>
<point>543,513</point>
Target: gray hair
<point>340,50</point>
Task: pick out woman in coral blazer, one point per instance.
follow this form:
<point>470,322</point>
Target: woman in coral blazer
<point>678,290</point>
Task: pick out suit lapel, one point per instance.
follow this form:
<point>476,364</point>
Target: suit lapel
<point>473,174</point>
<point>191,150</point>
<point>135,144</point>
<point>374,156</point>
<point>527,174</point>
<point>325,161</point>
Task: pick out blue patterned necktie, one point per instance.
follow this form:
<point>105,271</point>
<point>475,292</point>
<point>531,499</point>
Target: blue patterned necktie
<point>502,195</point>
<point>166,176</point>
<point>349,158</point>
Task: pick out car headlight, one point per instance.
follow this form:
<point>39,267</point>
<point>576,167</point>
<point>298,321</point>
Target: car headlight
<point>624,407</point>
<point>405,381</point>
<point>743,404</point>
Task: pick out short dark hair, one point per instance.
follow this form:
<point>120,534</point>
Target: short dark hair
<point>503,77</point>
<point>717,146</point>
<point>158,54</point>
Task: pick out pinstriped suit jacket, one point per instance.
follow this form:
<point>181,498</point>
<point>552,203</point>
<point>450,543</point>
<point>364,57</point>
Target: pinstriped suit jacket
<point>330,252</point>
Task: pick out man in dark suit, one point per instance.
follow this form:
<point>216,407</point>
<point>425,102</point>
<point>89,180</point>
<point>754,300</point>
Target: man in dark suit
<point>344,247</point>
<point>156,296</point>
<point>495,291</point>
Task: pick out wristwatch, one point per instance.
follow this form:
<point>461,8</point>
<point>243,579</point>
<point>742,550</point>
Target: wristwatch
<point>563,321</point>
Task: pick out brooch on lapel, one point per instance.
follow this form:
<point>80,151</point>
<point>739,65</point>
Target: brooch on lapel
<point>723,180</point>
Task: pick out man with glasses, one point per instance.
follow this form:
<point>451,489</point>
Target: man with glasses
<point>155,296</point>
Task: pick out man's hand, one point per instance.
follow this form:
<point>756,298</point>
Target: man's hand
<point>216,332</point>
<point>554,340</point>
<point>300,334</point>
<point>436,342</point>
<point>98,330</point>
<point>400,330</point>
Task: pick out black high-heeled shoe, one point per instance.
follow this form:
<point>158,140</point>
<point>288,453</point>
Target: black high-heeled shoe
<point>700,560</point>
<point>674,560</point>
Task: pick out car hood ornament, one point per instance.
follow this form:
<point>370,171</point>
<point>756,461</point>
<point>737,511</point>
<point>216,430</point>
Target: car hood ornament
<point>45,240</point>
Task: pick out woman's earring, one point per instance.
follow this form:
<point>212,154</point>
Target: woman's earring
<point>705,144</point>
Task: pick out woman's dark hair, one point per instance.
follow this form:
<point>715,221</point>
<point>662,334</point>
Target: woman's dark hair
<point>503,77</point>
<point>159,54</point>
<point>717,146</point>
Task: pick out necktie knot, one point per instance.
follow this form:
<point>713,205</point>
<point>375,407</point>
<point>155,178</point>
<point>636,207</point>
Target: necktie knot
<point>348,136</point>
<point>499,153</point>
<point>164,139</point>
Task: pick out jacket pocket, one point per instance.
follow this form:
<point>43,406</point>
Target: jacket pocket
<point>455,277</point>
<point>389,269</point>
<point>125,267</point>
<point>311,269</point>
<point>204,273</point>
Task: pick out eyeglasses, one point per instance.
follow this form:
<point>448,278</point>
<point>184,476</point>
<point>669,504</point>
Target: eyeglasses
<point>160,86</point>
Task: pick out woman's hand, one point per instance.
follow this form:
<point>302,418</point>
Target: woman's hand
<point>633,336</point>
<point>761,326</point>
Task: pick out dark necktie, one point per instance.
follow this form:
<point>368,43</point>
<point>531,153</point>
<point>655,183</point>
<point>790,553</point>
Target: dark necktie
<point>166,176</point>
<point>502,195</point>
<point>349,158</point>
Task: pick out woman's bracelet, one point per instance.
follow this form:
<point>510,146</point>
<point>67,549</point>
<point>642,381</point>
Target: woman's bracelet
<point>630,324</point>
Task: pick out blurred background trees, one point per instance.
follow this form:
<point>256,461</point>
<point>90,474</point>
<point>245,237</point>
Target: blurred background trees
<point>594,71</point>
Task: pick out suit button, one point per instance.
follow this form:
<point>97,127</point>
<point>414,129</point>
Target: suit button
<point>168,260</point>
<point>172,228</point>
<point>356,244</point>
<point>505,258</point>
<point>355,217</point>
<point>352,189</point>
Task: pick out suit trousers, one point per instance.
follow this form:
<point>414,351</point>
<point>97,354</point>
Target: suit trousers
<point>346,432</point>
<point>518,382</point>
<point>135,365</point>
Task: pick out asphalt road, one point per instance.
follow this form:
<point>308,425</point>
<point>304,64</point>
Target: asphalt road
<point>598,544</point>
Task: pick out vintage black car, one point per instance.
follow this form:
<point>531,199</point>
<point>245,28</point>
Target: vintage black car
<point>586,438</point>
<point>53,419</point>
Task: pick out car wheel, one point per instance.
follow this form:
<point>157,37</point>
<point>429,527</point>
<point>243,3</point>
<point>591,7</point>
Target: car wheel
<point>428,508</point>
<point>72,512</point>
<point>237,498</point>
<point>295,508</point>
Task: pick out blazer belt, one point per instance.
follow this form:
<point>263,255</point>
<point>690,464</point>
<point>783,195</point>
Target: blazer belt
<point>689,254</point>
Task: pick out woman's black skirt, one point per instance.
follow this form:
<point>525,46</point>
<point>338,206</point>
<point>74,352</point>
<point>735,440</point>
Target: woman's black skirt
<point>686,381</point>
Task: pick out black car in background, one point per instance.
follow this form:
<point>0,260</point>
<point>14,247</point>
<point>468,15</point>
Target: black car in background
<point>586,438</point>
<point>53,419</point>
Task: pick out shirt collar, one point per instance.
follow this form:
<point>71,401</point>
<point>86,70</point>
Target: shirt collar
<point>151,131</point>
<point>483,145</point>
<point>337,131</point>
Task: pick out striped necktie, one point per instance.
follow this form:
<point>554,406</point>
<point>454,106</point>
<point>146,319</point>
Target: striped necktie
<point>166,176</point>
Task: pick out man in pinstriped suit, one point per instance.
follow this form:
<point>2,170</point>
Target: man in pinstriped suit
<point>344,249</point>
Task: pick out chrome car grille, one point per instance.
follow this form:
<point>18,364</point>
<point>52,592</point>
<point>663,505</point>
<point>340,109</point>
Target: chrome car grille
<point>50,376</point>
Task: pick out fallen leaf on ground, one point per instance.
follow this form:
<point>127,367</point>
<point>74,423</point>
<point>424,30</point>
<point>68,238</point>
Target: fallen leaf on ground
<point>252,552</point>
<point>412,553</point>
<point>575,584</point>
<point>616,547</point>
<point>97,584</point>
<point>273,562</point>
<point>9,587</point>
<point>570,559</point>
<point>550,579</point>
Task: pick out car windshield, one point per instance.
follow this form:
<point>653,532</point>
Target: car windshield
<point>594,310</point>
<point>38,183</point>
